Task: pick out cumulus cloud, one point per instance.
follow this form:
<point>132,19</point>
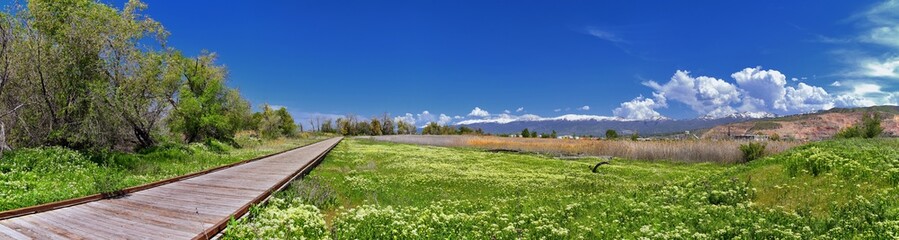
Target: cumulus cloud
<point>641,108</point>
<point>408,118</point>
<point>807,98</point>
<point>520,109</point>
<point>557,110</point>
<point>507,111</point>
<point>478,112</point>
<point>703,94</point>
<point>584,108</point>
<point>765,85</point>
<point>755,91</point>
<point>426,117</point>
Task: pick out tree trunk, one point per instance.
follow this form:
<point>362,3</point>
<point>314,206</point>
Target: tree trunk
<point>3,145</point>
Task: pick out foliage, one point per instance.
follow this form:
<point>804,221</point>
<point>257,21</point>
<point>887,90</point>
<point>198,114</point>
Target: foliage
<point>405,128</point>
<point>525,133</point>
<point>32,176</point>
<point>287,125</point>
<point>752,151</point>
<point>411,192</point>
<point>611,134</point>
<point>85,75</point>
<point>280,219</point>
<point>869,127</point>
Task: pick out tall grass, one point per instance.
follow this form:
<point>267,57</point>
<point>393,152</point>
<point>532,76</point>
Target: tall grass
<point>682,151</point>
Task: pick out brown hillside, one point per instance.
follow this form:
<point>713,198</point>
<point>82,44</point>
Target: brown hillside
<point>802,127</point>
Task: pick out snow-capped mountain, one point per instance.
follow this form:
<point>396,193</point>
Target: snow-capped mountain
<point>739,115</point>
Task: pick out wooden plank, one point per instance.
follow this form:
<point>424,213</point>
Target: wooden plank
<point>181,225</point>
<point>182,214</point>
<point>138,228</point>
<point>9,233</point>
<point>33,231</point>
<point>50,223</point>
<point>197,207</point>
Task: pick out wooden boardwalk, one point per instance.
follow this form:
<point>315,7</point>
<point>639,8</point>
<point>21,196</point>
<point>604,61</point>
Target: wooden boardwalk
<point>194,208</point>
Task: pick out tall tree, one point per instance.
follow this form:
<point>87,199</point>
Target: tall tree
<point>269,123</point>
<point>287,125</point>
<point>387,127</point>
<point>206,108</point>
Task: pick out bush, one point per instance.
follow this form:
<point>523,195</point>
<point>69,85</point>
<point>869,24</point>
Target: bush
<point>752,151</point>
<point>813,161</point>
<point>869,127</point>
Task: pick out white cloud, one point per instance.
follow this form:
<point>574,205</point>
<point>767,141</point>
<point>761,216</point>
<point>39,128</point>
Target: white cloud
<point>794,79</point>
<point>408,118</point>
<point>882,23</point>
<point>703,94</point>
<point>457,117</point>
<point>478,112</point>
<point>766,85</point>
<point>520,109</point>
<point>506,118</point>
<point>887,68</point>
<point>444,119</point>
<point>605,35</point>
<point>584,108</point>
<point>557,110</point>
<point>848,101</point>
<point>507,111</point>
<point>807,98</point>
<point>836,84</point>
<point>640,108</point>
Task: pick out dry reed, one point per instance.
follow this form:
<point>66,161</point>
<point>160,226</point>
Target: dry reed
<point>674,150</point>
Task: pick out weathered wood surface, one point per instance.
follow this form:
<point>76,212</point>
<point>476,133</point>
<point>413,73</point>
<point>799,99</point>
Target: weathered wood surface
<point>193,208</point>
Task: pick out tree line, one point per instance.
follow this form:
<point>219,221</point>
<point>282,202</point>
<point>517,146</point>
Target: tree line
<point>84,75</point>
<point>352,125</point>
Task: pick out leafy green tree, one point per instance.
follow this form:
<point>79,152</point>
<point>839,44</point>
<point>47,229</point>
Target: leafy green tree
<point>287,125</point>
<point>327,127</point>
<point>534,134</point>
<point>871,123</point>
<point>554,134</point>
<point>376,127</point>
<point>869,127</point>
<point>525,133</point>
<point>433,128</point>
<point>635,136</point>
<point>270,123</point>
<point>206,108</point>
<point>387,127</point>
<point>611,134</point>
<point>465,130</point>
<point>405,128</point>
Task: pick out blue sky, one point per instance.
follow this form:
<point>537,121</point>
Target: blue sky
<point>632,60</point>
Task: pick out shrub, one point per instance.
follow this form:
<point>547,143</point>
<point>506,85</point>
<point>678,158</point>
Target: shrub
<point>814,161</point>
<point>611,134</point>
<point>869,127</point>
<point>280,219</point>
<point>312,191</point>
<point>752,151</point>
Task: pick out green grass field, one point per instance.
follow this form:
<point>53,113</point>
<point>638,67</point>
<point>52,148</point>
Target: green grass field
<point>374,190</point>
<point>40,175</point>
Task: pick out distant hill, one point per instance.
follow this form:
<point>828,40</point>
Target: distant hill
<point>810,126</point>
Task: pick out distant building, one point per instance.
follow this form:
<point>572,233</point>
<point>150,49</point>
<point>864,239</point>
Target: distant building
<point>750,137</point>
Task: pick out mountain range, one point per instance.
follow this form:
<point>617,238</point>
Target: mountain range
<point>597,125</point>
<point>807,126</point>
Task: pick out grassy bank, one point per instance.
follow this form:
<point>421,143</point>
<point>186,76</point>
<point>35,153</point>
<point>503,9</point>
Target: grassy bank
<point>40,175</point>
<point>376,190</point>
